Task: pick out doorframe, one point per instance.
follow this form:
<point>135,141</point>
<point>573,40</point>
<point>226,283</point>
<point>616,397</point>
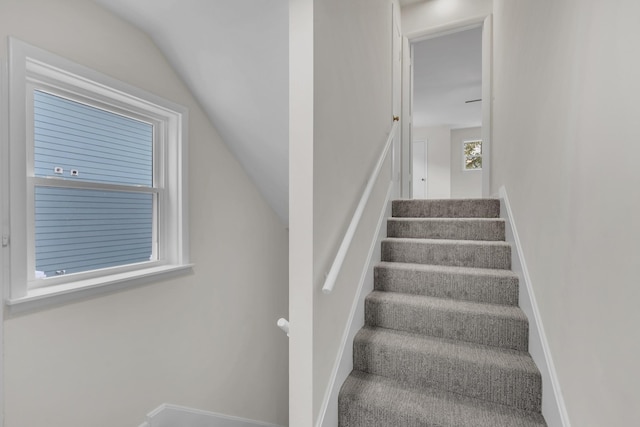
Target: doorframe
<point>486,23</point>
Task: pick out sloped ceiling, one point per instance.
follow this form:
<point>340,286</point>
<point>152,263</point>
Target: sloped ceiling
<point>233,56</point>
<point>448,72</point>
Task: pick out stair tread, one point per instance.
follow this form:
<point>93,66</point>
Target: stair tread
<point>443,219</point>
<point>447,241</point>
<point>464,253</point>
<point>461,350</point>
<point>489,285</point>
<point>480,229</point>
<point>447,304</point>
<point>447,208</point>
<point>372,400</point>
<point>501,272</point>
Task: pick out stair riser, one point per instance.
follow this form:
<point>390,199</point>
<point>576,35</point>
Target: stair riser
<point>373,402</point>
<point>460,286</point>
<point>453,254</point>
<point>460,325</point>
<point>355,413</point>
<point>521,390</point>
<point>447,229</point>
<point>479,208</point>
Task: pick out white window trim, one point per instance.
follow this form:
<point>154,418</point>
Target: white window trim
<point>28,66</point>
<point>464,158</point>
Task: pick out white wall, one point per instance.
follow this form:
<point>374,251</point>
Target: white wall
<point>564,137</point>
<point>301,289</point>
<point>207,340</point>
<point>352,117</point>
<point>340,116</point>
<point>464,183</point>
<point>438,159</point>
<point>434,15</point>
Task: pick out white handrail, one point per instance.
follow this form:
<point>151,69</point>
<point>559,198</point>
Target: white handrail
<point>284,325</point>
<point>330,280</point>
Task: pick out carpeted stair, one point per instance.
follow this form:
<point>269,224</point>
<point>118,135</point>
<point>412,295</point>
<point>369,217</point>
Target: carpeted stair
<point>444,342</point>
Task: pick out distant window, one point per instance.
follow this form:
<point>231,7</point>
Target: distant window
<point>96,178</point>
<point>472,155</point>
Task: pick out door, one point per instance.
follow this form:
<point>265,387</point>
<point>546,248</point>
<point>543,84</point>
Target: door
<point>419,169</point>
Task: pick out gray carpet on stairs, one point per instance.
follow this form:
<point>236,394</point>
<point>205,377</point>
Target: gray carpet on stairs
<point>447,228</point>
<point>425,361</point>
<point>378,401</point>
<point>445,343</point>
<point>497,286</point>
<point>462,253</point>
<point>489,324</point>
<point>463,208</point>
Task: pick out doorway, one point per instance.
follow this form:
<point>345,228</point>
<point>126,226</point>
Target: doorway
<point>447,85</point>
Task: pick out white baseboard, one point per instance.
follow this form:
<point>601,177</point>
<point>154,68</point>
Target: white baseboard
<point>167,415</point>
<point>344,362</point>
<point>553,406</point>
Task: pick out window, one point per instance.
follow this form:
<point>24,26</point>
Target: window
<point>97,192</point>
<point>472,155</point>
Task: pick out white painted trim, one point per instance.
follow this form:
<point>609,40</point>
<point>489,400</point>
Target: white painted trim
<point>343,365</point>
<point>330,281</point>
<point>407,94</point>
<point>40,297</point>
<point>443,30</point>
<point>167,415</point>
<point>553,406</point>
<point>487,103</point>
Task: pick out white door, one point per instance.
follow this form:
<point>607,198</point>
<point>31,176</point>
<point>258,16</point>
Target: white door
<point>419,169</point>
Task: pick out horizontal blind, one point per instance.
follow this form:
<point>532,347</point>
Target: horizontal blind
<point>81,230</point>
<point>100,145</point>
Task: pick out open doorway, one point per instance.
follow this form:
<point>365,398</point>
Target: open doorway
<point>447,111</point>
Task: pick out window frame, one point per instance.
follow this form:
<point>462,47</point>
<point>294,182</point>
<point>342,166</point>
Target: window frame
<point>464,158</point>
<point>31,68</point>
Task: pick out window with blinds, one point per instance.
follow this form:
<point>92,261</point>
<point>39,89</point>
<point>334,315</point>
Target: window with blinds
<point>97,186</point>
<point>100,223</point>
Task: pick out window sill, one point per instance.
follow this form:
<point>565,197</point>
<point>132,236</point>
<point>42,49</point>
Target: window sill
<point>57,294</point>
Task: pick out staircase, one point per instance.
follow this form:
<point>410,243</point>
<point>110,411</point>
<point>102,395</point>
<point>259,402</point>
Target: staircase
<point>444,341</point>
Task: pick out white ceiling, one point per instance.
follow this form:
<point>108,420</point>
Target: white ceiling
<point>233,56</point>
<point>448,72</point>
